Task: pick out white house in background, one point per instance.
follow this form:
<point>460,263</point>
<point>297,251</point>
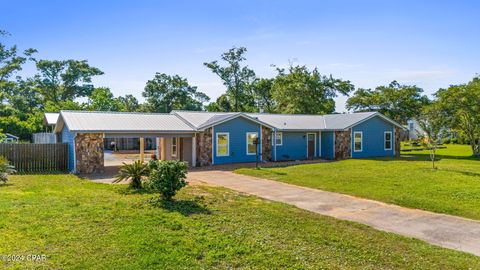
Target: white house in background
<point>414,130</point>
<point>50,119</point>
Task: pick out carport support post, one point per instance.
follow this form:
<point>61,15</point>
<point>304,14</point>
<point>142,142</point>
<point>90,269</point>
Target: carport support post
<point>157,152</point>
<point>163,149</point>
<point>142,149</point>
<point>194,151</point>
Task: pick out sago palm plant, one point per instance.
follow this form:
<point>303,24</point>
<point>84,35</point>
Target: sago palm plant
<point>133,172</point>
<point>5,170</point>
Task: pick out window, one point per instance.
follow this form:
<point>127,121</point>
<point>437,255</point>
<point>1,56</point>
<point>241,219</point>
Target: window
<point>388,140</point>
<point>279,139</point>
<point>223,144</point>
<point>174,147</point>
<point>251,146</point>
<point>358,141</point>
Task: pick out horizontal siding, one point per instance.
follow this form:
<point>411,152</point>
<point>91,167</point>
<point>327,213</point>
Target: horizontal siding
<point>327,145</point>
<point>373,138</point>
<point>69,138</point>
<point>294,146</point>
<point>237,128</point>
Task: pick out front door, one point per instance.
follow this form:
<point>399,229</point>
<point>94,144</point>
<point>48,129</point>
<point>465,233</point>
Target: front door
<point>311,145</point>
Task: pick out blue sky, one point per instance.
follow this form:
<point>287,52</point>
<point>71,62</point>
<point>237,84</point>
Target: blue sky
<point>428,43</point>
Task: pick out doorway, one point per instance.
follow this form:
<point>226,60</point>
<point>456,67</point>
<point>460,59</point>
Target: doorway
<point>311,145</point>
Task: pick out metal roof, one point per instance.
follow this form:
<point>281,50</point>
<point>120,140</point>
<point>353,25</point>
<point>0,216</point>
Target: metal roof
<point>280,121</point>
<point>82,121</point>
<point>51,118</point>
<point>191,121</point>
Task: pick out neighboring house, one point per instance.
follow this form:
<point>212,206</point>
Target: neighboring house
<point>414,130</point>
<point>210,138</point>
<point>50,120</point>
<point>10,138</point>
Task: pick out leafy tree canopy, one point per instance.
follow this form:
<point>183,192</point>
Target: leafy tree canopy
<point>461,103</point>
<point>60,81</point>
<point>398,102</point>
<point>165,93</point>
<point>301,91</point>
<point>236,78</point>
<point>102,99</point>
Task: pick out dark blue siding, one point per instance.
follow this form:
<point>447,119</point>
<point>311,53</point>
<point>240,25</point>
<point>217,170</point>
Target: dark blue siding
<point>373,138</point>
<point>327,144</point>
<point>237,128</point>
<point>294,146</point>
<point>69,138</point>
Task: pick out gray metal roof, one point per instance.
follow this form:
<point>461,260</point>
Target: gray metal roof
<point>191,121</point>
<point>51,118</point>
<point>82,121</point>
<point>283,121</point>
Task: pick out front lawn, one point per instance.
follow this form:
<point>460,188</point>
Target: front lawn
<point>454,188</point>
<point>83,225</point>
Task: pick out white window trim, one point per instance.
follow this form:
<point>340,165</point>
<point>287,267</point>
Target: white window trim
<point>281,139</point>
<point>246,141</point>
<point>174,154</point>
<point>228,144</point>
<point>361,141</point>
<point>385,140</point>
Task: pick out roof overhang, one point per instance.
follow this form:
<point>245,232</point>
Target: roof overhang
<point>233,116</point>
<point>375,115</point>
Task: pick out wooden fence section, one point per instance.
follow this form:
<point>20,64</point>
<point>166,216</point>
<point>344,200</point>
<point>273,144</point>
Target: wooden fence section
<point>28,158</point>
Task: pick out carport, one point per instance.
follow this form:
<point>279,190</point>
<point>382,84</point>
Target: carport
<point>85,133</point>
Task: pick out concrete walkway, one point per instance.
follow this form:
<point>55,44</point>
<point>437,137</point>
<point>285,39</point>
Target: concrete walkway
<point>442,230</point>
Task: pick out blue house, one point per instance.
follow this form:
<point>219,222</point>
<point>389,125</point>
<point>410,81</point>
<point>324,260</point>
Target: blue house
<point>212,138</point>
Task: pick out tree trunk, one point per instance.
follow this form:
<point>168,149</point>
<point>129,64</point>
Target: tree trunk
<point>475,147</point>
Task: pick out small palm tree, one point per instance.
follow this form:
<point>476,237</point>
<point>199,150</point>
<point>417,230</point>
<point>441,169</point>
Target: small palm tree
<point>134,171</point>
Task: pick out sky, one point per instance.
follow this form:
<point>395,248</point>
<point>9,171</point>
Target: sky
<point>431,44</point>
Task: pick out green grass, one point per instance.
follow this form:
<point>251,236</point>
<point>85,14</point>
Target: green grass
<point>453,188</point>
<point>82,225</point>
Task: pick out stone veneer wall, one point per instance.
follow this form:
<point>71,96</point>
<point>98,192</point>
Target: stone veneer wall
<point>204,147</point>
<point>89,153</point>
<point>343,144</point>
<point>266,144</point>
<point>399,136</point>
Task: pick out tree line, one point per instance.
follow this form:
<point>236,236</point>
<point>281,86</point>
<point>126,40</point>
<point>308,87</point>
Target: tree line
<point>62,84</point>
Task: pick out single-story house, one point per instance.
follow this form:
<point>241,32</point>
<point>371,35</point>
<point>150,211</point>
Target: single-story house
<point>210,138</point>
<point>10,138</point>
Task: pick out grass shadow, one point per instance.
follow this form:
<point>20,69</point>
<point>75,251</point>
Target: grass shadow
<point>5,185</point>
<point>184,207</point>
<point>466,173</point>
<point>132,191</point>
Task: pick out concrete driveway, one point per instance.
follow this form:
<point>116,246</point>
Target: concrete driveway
<point>442,230</point>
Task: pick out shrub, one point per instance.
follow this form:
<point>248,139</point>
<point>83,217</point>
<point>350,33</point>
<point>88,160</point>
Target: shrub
<point>134,171</point>
<point>167,178</point>
<point>5,170</point>
<point>446,141</point>
<point>455,140</point>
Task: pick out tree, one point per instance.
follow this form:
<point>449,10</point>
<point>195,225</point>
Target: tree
<point>222,104</point>
<point>301,91</point>
<point>128,103</point>
<point>433,123</point>
<point>165,93</point>
<point>236,78</point>
<point>262,90</point>
<point>10,63</point>
<point>398,102</point>
<point>60,81</point>
<point>102,99</point>
<point>462,104</point>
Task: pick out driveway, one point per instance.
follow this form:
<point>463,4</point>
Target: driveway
<point>438,229</point>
